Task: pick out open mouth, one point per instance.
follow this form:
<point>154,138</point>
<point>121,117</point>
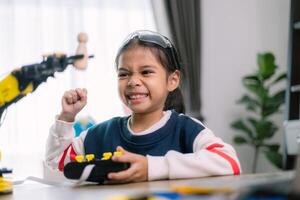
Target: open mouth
<point>137,98</point>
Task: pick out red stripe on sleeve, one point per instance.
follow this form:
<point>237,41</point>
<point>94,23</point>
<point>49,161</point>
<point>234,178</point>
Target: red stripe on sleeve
<point>233,163</point>
<point>214,146</point>
<point>72,154</point>
<point>62,160</point>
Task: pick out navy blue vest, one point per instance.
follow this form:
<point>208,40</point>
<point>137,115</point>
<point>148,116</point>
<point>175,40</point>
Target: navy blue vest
<point>177,134</point>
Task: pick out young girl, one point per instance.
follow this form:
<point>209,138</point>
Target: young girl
<point>157,140</point>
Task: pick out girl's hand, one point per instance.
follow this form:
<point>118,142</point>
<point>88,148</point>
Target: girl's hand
<point>72,103</point>
<point>137,172</point>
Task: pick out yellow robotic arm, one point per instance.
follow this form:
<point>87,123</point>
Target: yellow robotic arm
<point>26,79</point>
<point>9,90</point>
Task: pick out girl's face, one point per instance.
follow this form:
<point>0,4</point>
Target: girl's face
<point>142,80</point>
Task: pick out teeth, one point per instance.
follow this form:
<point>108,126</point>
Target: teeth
<point>137,96</point>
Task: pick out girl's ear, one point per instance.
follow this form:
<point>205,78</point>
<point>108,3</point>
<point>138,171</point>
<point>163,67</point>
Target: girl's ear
<point>173,80</point>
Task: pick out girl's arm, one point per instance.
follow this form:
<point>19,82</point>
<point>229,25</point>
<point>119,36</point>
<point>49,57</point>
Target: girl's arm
<point>211,157</point>
<point>62,146</point>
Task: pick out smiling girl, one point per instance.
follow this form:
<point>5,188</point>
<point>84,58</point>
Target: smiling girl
<point>157,139</point>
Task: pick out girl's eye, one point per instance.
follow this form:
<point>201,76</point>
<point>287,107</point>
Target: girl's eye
<point>122,75</point>
<point>147,72</point>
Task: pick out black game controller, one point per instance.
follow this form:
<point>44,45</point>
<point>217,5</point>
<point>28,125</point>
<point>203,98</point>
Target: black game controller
<point>73,170</point>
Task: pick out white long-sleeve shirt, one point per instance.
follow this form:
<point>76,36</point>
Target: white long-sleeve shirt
<point>177,146</point>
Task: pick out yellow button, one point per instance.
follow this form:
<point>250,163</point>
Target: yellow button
<point>106,156</point>
<point>89,157</point>
<point>79,158</point>
<point>118,153</point>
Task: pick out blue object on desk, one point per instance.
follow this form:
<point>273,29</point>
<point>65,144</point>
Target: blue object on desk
<point>168,195</point>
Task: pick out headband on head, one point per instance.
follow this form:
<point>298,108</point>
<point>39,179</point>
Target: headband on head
<point>157,39</point>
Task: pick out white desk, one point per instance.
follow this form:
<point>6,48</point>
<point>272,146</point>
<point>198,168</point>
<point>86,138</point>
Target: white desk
<point>32,190</point>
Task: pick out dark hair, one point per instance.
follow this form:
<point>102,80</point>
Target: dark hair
<point>166,53</point>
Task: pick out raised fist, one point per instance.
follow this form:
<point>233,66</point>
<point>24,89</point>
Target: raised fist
<point>73,101</point>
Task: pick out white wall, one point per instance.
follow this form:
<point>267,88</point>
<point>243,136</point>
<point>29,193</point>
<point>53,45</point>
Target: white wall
<point>233,32</point>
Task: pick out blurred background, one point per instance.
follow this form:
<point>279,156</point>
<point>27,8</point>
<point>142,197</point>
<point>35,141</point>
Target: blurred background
<point>218,40</point>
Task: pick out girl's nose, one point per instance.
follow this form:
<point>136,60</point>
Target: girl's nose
<point>134,81</point>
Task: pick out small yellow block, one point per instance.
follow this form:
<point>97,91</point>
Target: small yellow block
<point>79,158</point>
<point>89,157</point>
<point>118,153</point>
<point>6,187</point>
<point>201,190</point>
<point>106,156</point>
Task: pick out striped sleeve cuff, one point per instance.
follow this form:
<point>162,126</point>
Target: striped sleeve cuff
<point>157,168</point>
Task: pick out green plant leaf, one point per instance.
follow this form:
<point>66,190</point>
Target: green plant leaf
<point>266,65</point>
<point>251,103</point>
<point>264,129</point>
<point>272,147</point>
<point>280,77</point>
<point>273,103</point>
<point>239,140</point>
<point>251,82</point>
<point>275,158</point>
<point>269,110</point>
<point>278,98</point>
<point>241,126</point>
<point>254,85</point>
